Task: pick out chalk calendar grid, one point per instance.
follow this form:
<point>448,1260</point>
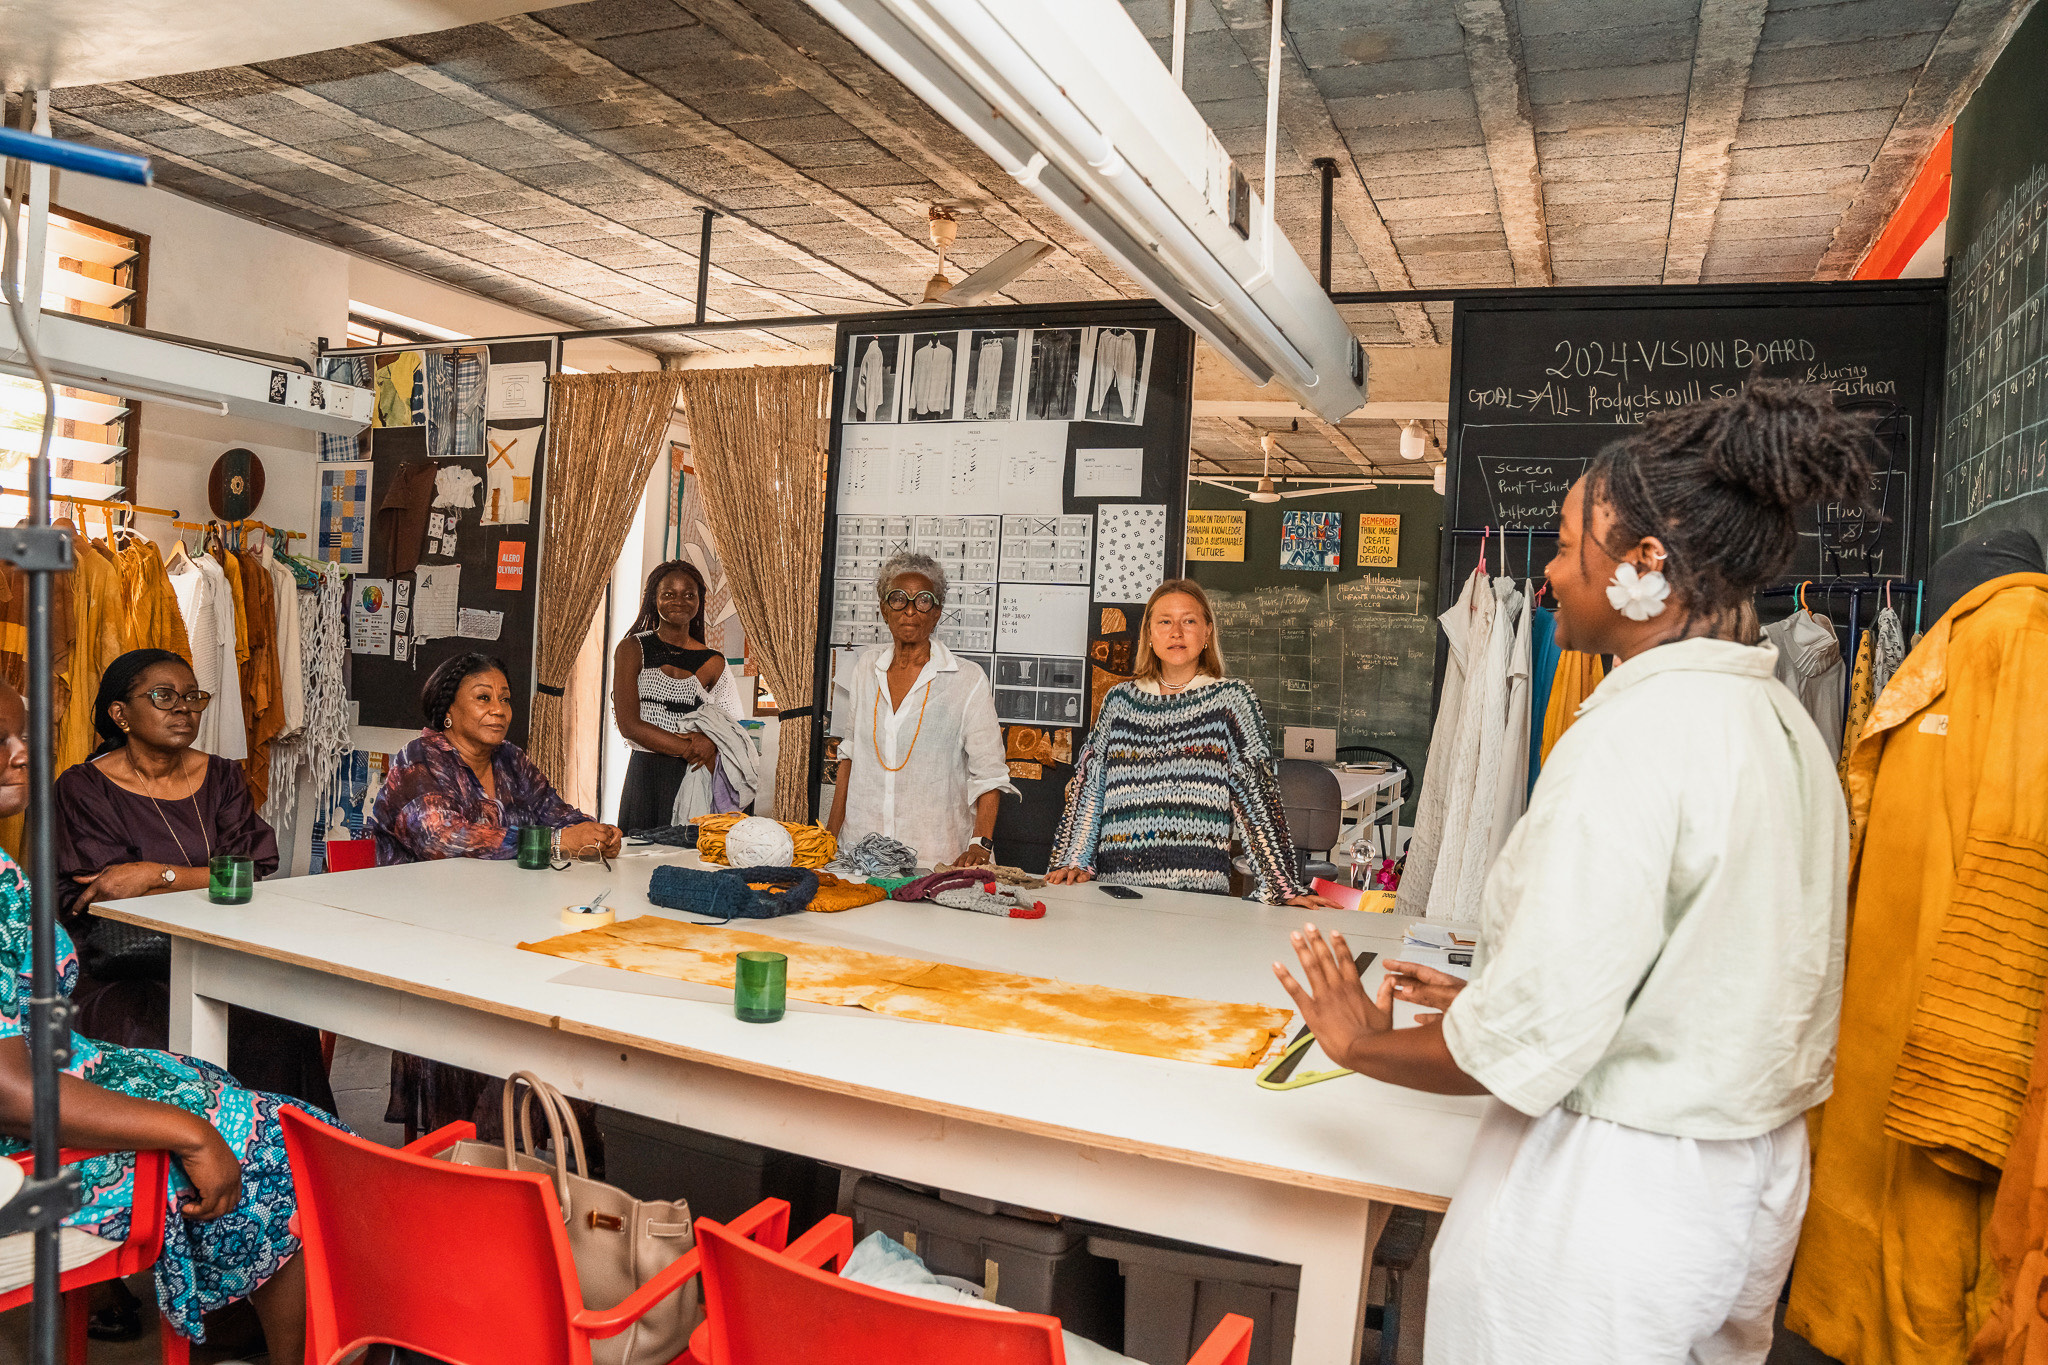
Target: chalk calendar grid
<point>1995,442</point>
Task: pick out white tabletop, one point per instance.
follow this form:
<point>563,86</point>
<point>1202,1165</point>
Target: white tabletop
<point>1353,785</point>
<point>448,930</point>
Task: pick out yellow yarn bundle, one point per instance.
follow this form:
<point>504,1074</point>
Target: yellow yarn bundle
<point>814,844</point>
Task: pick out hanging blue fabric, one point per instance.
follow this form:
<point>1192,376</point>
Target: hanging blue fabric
<point>1543,657</point>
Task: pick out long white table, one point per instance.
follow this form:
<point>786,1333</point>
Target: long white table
<point>422,959</point>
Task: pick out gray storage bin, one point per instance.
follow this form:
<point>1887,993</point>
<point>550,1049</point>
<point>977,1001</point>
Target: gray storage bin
<point>1174,1296</point>
<point>1037,1267</point>
<point>720,1177</point>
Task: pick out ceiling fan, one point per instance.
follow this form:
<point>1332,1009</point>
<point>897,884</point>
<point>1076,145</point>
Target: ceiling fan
<point>1266,491</point>
<point>945,225</point>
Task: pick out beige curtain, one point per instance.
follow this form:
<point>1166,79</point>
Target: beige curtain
<point>758,438</point>
<point>605,431</point>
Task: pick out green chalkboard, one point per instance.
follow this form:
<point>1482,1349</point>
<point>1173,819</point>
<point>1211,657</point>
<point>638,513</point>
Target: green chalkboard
<point>1353,651</point>
<point>1992,472</point>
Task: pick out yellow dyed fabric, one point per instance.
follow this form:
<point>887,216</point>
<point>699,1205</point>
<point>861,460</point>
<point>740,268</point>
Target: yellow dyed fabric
<point>1168,1026</point>
<point>815,845</point>
<point>1861,698</point>
<point>1942,991</point>
<point>1576,677</point>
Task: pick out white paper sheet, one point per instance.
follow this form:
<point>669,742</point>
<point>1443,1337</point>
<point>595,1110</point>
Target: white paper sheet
<point>1041,618</point>
<point>866,457</point>
<point>1109,473</point>
<point>1034,468</point>
<point>434,612</point>
<point>1130,551</point>
<point>516,390</point>
<point>1039,549</point>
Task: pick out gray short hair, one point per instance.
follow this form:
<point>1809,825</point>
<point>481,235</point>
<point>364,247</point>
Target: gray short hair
<point>903,562</point>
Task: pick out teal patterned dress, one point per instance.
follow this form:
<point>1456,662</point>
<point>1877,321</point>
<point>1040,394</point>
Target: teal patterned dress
<point>204,1266</point>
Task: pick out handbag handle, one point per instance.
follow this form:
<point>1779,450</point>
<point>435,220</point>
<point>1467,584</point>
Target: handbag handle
<point>535,1085</point>
<point>564,1120</point>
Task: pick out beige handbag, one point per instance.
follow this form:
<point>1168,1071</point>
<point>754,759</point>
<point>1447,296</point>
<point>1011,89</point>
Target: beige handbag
<point>619,1242</point>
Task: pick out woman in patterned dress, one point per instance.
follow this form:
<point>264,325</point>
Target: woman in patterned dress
<point>226,1235</point>
<point>663,670</point>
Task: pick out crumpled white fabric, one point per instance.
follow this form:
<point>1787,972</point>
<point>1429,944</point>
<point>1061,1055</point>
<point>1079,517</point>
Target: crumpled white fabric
<point>882,1261</point>
<point>1579,1241</point>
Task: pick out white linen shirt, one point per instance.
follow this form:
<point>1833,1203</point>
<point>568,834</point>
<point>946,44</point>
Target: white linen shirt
<point>1661,938</point>
<point>944,767</point>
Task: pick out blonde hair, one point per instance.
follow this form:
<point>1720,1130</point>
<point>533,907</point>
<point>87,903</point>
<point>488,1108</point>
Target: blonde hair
<point>1211,661</point>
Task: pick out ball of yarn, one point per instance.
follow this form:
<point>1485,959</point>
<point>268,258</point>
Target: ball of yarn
<point>814,844</point>
<point>759,842</point>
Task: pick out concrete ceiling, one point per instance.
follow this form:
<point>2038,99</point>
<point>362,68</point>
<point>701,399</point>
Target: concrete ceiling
<point>556,160</point>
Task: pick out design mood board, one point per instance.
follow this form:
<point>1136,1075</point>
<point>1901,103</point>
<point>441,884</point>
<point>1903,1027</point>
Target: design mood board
<point>435,511</point>
<point>1040,457</point>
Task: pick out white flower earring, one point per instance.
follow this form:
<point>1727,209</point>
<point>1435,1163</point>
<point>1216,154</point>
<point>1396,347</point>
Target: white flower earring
<point>1638,596</point>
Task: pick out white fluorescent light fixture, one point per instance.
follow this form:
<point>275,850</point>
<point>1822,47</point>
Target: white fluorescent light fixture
<point>1069,98</point>
<point>1414,441</point>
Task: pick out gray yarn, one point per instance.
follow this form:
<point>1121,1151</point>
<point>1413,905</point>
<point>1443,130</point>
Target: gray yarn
<point>874,855</point>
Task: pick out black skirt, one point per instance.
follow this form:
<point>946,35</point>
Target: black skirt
<point>648,798</point>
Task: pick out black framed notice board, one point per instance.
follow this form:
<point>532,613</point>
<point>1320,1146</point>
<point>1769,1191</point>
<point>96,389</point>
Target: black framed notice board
<point>444,543</point>
<point>1539,385</point>
<point>1040,455</point>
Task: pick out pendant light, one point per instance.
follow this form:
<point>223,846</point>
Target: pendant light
<point>1265,492</point>
<point>1414,440</point>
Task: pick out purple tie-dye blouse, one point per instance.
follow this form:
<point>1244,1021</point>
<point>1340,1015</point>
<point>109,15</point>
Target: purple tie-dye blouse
<point>431,805</point>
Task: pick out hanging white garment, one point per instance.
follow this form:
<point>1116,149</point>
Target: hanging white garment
<point>871,379</point>
<point>1116,368</point>
<point>1464,626</point>
<point>1511,777</point>
<point>208,606</point>
<point>931,379</point>
<point>284,590</point>
<point>988,379</point>
<point>1810,663</point>
<point>1469,842</point>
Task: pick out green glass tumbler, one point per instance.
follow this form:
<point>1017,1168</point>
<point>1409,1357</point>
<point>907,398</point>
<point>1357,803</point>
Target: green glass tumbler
<point>760,982</point>
<point>231,880</point>
<point>536,847</point>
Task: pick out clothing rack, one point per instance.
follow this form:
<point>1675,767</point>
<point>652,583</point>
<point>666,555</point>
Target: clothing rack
<point>114,505</point>
<point>1856,588</point>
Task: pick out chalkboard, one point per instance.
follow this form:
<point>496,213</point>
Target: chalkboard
<point>386,689</point>
<point>1031,358</point>
<point>1994,450</point>
<point>1350,651</point>
<point>1539,386</point>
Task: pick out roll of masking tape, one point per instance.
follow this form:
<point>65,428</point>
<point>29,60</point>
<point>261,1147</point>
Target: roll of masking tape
<point>586,916</point>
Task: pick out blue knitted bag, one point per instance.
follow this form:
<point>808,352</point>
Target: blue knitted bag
<point>725,894</point>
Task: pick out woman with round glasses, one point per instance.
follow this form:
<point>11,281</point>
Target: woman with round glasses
<point>146,814</point>
<point>922,760</point>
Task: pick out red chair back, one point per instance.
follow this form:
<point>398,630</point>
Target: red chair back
<point>764,1308</point>
<point>351,855</point>
<point>464,1264</point>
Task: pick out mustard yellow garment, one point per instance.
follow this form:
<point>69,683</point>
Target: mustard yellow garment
<point>2016,1330</point>
<point>1576,677</point>
<point>814,844</point>
<point>1862,696</point>
<point>1167,1026</point>
<point>152,605</point>
<point>98,637</point>
<point>232,566</point>
<point>1948,943</point>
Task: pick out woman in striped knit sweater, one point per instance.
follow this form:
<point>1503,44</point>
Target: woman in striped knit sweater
<point>1178,754</point>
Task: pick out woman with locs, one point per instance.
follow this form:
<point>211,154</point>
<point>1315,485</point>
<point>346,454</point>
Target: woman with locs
<point>1655,996</point>
<point>661,672</point>
<point>923,758</point>
<point>144,816</point>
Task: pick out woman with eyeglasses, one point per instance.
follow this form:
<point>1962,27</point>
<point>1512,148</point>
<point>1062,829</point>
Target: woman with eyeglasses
<point>922,759</point>
<point>145,815</point>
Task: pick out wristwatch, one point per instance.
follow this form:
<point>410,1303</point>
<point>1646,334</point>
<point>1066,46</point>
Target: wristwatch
<point>983,843</point>
<point>170,876</point>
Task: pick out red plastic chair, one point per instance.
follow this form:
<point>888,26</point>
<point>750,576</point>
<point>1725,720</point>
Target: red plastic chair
<point>351,855</point>
<point>764,1306</point>
<point>145,1243</point>
<point>464,1264</point>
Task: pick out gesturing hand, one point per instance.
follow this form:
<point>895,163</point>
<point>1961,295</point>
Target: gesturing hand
<point>1068,876</point>
<point>1424,986</point>
<point>1334,1004</point>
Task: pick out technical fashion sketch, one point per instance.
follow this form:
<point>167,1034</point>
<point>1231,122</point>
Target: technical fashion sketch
<point>988,393</point>
<point>1116,394</point>
<point>1055,358</point>
<point>931,380</point>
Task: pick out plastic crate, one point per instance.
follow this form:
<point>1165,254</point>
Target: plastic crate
<point>1022,1263</point>
<point>1174,1296</point>
<point>720,1177</point>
